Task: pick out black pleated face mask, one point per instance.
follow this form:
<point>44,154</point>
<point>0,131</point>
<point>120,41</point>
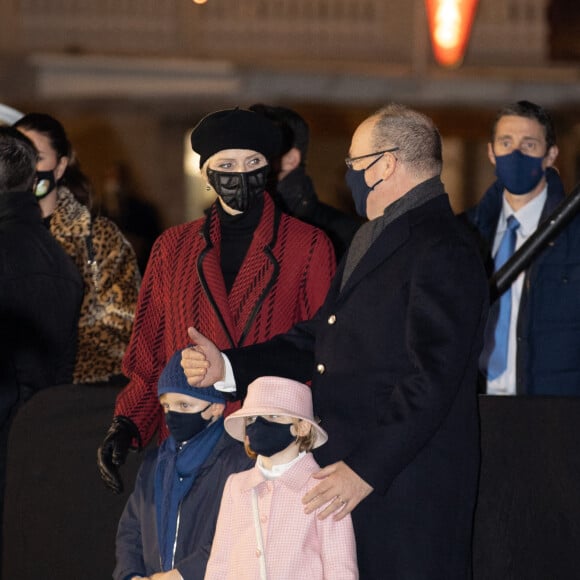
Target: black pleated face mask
<point>239,191</point>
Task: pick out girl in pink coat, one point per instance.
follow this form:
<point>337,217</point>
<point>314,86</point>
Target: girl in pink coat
<point>262,531</point>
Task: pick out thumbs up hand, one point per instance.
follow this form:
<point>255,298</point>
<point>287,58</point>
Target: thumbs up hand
<point>202,363</point>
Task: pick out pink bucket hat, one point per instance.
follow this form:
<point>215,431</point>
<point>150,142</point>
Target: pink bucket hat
<point>275,396</point>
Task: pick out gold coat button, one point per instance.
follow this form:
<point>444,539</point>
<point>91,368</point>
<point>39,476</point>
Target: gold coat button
<point>331,319</point>
<point>320,368</point>
<point>258,552</point>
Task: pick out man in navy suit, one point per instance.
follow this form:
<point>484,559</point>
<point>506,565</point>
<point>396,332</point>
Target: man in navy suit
<point>541,342</point>
<point>393,356</point>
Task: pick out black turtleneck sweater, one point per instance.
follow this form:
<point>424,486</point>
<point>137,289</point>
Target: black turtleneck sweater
<point>237,232</point>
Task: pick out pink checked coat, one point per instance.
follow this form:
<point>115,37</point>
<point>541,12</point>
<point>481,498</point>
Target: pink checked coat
<point>296,545</point>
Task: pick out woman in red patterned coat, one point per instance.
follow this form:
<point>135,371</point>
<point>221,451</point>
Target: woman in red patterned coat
<point>241,275</point>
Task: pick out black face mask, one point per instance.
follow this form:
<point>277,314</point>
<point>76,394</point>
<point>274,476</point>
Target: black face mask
<point>355,179</point>
<point>240,191</point>
<point>268,438</point>
<point>184,426</point>
<point>45,183</point>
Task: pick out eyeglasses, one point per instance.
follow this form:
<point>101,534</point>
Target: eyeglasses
<point>350,160</point>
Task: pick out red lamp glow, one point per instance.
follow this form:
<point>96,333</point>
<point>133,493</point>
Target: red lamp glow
<point>449,27</point>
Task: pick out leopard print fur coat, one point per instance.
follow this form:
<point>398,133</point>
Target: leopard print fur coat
<point>111,278</point>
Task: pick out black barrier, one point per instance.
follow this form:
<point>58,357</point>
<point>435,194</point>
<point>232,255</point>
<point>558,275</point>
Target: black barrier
<point>527,524</point>
<point>60,520</point>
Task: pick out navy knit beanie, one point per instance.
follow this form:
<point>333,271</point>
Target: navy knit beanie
<point>235,129</point>
<point>173,380</point>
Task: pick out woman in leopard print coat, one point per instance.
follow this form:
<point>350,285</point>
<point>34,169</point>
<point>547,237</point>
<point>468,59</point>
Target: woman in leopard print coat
<point>104,257</point>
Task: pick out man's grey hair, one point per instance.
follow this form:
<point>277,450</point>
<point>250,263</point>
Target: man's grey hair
<point>415,135</point>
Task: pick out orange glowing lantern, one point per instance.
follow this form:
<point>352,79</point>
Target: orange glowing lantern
<point>449,27</point>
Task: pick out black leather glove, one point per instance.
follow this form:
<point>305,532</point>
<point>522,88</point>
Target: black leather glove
<point>114,450</point>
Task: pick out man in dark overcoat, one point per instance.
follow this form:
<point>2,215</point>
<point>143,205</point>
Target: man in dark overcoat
<point>40,292</point>
<point>40,287</point>
<point>392,355</point>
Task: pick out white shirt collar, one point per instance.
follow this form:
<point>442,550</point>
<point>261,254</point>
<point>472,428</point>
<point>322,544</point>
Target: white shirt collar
<point>277,470</point>
<point>528,216</point>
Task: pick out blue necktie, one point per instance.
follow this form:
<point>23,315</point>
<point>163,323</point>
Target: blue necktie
<point>498,351</point>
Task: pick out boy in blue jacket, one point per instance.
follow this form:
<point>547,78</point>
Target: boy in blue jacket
<point>167,526</point>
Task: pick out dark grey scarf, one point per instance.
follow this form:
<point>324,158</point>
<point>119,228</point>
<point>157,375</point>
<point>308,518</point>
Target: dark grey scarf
<point>369,232</point>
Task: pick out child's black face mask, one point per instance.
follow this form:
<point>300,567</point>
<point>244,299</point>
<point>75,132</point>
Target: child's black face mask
<point>185,426</point>
<point>268,438</point>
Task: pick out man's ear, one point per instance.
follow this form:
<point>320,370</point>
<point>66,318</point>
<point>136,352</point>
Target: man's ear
<point>290,160</point>
<point>552,155</point>
<point>491,154</point>
<point>389,162</point>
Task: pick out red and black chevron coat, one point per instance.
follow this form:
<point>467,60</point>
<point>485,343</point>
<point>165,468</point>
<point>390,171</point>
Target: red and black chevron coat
<point>283,279</point>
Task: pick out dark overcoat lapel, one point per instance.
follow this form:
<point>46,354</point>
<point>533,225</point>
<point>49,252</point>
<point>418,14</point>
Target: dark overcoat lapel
<point>256,278</point>
<point>389,241</point>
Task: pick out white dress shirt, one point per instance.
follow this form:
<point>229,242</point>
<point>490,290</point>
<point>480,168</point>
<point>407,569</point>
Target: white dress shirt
<point>529,218</point>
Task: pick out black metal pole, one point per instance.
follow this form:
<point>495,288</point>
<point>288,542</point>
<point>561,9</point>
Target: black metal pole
<point>546,232</point>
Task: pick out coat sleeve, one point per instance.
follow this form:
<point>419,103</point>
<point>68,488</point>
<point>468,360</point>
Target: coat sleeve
<point>288,355</point>
<point>447,309</point>
<point>144,357</point>
<point>219,559</point>
<point>129,544</point>
<point>318,273</point>
<point>337,548</point>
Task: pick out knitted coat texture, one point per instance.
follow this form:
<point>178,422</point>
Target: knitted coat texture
<point>283,279</point>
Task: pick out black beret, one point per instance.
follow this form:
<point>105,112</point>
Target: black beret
<point>235,129</point>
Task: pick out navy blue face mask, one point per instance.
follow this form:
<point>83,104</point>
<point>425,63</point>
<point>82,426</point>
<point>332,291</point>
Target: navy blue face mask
<point>268,438</point>
<point>519,173</point>
<point>355,179</point>
<point>185,426</point>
